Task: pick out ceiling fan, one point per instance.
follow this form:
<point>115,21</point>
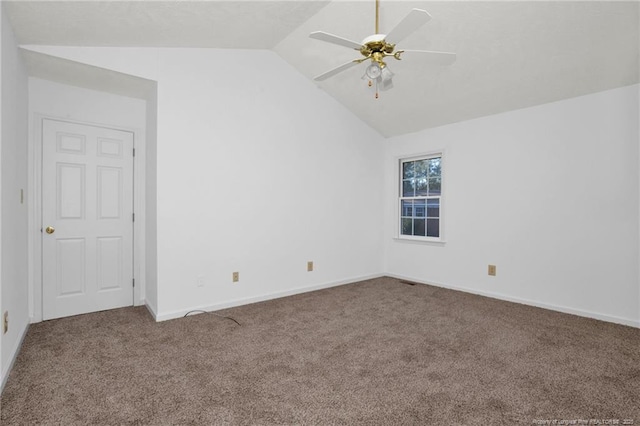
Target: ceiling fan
<point>378,46</point>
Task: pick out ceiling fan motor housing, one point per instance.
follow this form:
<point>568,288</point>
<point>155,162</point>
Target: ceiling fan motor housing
<point>376,48</point>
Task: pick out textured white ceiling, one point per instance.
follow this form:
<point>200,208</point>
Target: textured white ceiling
<point>222,24</point>
<point>511,54</point>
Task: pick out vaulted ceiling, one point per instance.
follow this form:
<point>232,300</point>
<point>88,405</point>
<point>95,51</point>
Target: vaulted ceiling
<point>510,54</point>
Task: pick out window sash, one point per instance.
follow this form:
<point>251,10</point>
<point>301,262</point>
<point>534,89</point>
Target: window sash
<point>424,220</point>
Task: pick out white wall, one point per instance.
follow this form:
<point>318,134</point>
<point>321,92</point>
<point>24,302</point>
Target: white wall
<point>258,172</point>
<point>2,25</point>
<point>151,207</point>
<point>548,194</point>
<point>47,98</point>
<point>139,62</point>
<point>92,106</point>
<point>13,154</point>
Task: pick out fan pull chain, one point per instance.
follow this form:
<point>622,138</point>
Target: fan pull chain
<point>370,83</point>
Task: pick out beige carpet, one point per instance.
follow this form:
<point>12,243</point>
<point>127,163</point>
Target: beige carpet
<point>377,352</point>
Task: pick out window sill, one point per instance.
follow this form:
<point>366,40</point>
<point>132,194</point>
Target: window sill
<point>420,241</point>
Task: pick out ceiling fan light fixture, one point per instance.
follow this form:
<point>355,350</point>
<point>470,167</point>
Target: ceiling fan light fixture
<point>374,71</point>
<point>386,74</point>
<point>385,85</point>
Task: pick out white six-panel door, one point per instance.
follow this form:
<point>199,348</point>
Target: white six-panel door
<point>87,218</point>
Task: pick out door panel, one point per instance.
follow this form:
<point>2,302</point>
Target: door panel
<point>109,257</point>
<point>70,279</point>
<point>87,200</point>
<point>71,191</point>
<point>109,192</point>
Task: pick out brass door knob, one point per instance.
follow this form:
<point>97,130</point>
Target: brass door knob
<point>50,230</point>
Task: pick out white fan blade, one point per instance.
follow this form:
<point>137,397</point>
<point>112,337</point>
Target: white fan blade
<point>414,20</point>
<point>330,38</point>
<point>335,71</point>
<point>438,58</point>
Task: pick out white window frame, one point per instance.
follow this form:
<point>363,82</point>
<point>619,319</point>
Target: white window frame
<point>399,177</point>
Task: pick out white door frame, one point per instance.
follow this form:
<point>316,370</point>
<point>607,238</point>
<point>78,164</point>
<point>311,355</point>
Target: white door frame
<point>34,188</point>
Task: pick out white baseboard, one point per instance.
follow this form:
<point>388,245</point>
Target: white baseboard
<point>14,356</point>
<point>270,296</point>
<point>552,307</point>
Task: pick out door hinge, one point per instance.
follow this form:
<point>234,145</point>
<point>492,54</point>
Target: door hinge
<point>134,152</point>
<point>133,281</point>
<point>133,217</point>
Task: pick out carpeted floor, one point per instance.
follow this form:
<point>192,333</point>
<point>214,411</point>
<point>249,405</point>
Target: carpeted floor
<point>377,352</point>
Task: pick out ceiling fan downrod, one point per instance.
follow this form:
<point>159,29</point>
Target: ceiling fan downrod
<point>377,17</point>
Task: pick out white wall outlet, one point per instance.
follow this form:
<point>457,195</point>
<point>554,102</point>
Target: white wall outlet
<point>200,281</point>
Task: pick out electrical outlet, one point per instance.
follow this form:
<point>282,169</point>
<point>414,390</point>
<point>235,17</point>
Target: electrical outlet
<point>310,266</point>
<point>492,270</point>
<point>200,281</point>
<point>5,322</point>
<point>236,277</point>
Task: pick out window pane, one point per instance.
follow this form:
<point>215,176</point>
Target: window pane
<point>418,227</point>
<point>407,226</point>
<point>434,186</point>
<point>407,188</point>
<point>434,167</point>
<point>407,208</point>
<point>407,170</point>
<point>433,207</point>
<point>433,227</point>
<point>419,208</point>
<point>421,187</point>
<point>421,169</point>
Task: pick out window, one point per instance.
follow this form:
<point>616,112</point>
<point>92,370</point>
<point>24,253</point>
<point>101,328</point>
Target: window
<point>420,193</point>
